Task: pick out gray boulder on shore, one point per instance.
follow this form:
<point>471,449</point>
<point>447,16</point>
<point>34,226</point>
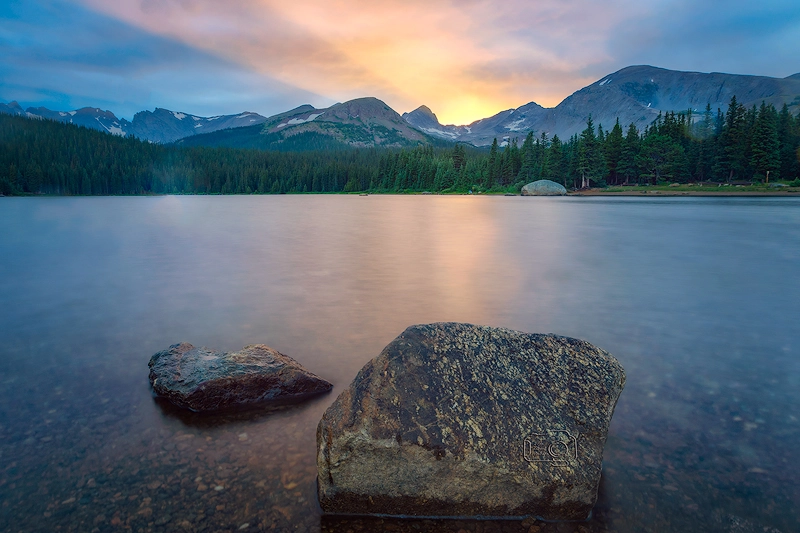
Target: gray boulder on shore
<point>543,188</point>
<point>203,380</point>
<point>462,420</point>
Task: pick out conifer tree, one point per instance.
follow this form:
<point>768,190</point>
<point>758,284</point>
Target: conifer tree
<point>627,167</point>
<point>613,152</point>
<point>494,165</point>
<point>787,142</point>
<point>527,156</point>
<point>587,153</point>
<point>765,159</point>
<point>707,124</point>
<point>458,156</point>
<point>731,151</point>
<point>554,168</point>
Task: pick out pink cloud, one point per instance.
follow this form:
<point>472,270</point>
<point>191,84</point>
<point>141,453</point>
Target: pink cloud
<point>465,60</point>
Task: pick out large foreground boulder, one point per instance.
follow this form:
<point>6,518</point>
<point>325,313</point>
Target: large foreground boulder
<point>462,420</point>
<point>543,188</point>
<point>202,380</point>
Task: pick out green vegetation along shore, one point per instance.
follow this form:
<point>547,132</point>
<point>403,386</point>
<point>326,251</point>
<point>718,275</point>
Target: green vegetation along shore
<point>738,151</point>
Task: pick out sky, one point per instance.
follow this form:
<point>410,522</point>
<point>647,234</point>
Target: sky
<point>464,59</point>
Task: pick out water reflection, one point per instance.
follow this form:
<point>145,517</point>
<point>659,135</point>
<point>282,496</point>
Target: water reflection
<point>694,296</point>
<point>250,414</point>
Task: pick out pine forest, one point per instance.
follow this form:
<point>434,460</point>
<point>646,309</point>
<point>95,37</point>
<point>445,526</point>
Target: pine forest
<point>739,145</point>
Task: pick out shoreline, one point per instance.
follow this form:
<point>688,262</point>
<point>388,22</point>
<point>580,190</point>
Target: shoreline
<point>600,192</point>
<point>586,192</point>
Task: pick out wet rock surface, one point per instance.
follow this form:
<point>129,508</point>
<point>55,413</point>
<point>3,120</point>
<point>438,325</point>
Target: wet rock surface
<point>205,380</point>
<point>462,420</point>
<point>543,188</point>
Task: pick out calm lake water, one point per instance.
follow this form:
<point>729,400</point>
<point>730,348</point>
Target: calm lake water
<point>698,298</point>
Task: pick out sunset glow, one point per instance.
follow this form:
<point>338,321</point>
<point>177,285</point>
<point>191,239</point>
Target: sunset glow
<point>465,60</point>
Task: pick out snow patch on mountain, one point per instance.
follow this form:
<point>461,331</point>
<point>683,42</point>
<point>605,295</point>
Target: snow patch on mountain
<point>179,116</point>
<point>114,128</point>
<point>440,133</point>
<point>295,121</point>
<point>517,125</point>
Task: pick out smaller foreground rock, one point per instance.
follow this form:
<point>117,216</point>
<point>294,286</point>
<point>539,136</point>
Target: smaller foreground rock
<point>461,420</point>
<point>543,188</point>
<point>203,380</point>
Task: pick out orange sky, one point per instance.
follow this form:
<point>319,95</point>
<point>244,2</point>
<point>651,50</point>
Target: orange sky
<point>465,60</point>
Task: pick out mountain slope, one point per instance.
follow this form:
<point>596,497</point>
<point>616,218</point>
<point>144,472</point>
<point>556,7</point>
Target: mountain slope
<point>12,108</point>
<point>361,122</point>
<point>89,117</point>
<point>503,125</point>
<point>160,126</point>
<point>637,94</point>
<point>634,95</point>
<point>364,122</point>
<point>165,126</point>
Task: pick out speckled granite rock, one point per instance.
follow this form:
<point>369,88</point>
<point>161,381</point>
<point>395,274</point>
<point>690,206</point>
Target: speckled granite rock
<point>461,420</point>
<point>543,188</point>
<point>201,379</point>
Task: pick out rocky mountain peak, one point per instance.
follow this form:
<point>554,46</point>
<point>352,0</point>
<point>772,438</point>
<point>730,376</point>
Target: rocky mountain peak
<point>12,108</point>
<point>422,117</point>
<point>634,95</point>
<point>302,109</point>
<point>423,111</point>
<point>361,109</point>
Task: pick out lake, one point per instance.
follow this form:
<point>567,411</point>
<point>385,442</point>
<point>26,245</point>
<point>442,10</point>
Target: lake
<point>698,298</point>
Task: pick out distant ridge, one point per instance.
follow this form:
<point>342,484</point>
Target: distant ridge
<point>361,123</point>
<point>161,125</point>
<point>635,95</point>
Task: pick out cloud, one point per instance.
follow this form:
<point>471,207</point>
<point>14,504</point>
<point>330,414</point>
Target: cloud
<point>62,56</point>
<point>464,59</point>
<point>405,52</point>
<point>739,37</point>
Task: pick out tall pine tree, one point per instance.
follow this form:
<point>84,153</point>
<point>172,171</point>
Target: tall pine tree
<point>766,156</point>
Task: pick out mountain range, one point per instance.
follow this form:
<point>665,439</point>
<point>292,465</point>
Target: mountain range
<point>160,126</point>
<point>363,122</point>
<point>635,94</point>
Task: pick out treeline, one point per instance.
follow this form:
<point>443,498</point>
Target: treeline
<point>756,144</point>
<point>45,157</point>
<point>752,145</point>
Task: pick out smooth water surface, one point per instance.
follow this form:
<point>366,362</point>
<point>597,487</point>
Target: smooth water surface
<point>698,299</point>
